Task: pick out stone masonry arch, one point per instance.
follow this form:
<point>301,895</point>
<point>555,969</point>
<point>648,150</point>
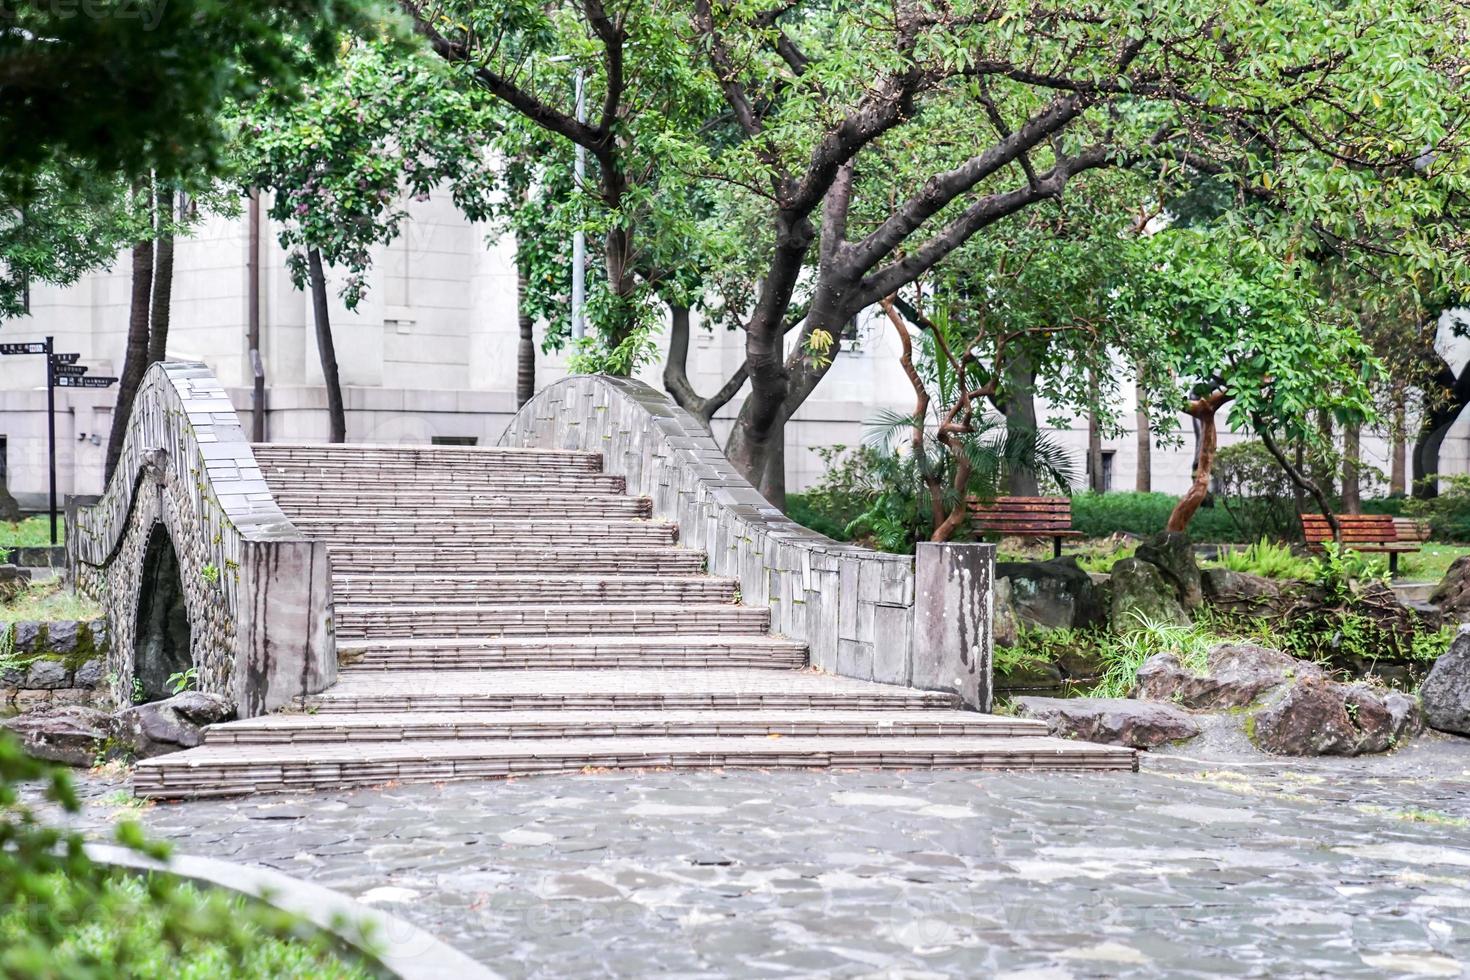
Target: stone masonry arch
<point>257,592</point>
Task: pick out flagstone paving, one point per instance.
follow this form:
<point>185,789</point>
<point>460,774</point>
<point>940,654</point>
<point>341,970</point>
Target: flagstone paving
<point>1229,865</point>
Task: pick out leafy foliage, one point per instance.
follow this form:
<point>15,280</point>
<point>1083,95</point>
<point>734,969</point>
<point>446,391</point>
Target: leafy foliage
<point>1269,560</point>
<point>1143,638</point>
<point>1448,513</point>
<point>62,915</point>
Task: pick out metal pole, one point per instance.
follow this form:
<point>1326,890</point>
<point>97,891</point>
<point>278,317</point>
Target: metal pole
<point>51,429</point>
<point>252,307</point>
<point>579,237</point>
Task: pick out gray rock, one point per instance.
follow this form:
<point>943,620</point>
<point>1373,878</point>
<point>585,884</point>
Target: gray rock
<point>1113,721</point>
<point>1316,716</point>
<point>91,674</point>
<point>1140,591</point>
<point>1173,555</point>
<point>61,636</point>
<point>1452,594</point>
<point>13,676</point>
<point>13,580</point>
<point>99,634</point>
<point>1053,594</point>
<point>175,723</point>
<point>73,736</point>
<point>1236,674</point>
<point>1446,691</point>
<point>47,675</point>
<point>25,636</point>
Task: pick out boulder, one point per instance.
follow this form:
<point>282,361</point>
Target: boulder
<point>73,736</point>
<point>1113,721</point>
<point>1172,554</point>
<point>1452,594</point>
<point>91,673</point>
<point>1254,595</point>
<point>1236,674</point>
<point>1316,716</point>
<point>1446,691</point>
<point>47,675</point>
<point>1053,594</point>
<point>1140,591</point>
<point>160,727</point>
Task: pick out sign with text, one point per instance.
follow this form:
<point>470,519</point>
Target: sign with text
<point>70,370</point>
<point>35,347</point>
<point>73,381</point>
<point>65,358</point>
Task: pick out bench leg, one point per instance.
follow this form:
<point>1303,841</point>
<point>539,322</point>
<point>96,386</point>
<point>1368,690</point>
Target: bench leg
<point>1393,564</point>
<point>1056,547</point>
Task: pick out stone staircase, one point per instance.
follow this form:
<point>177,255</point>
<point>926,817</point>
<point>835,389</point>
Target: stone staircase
<point>502,612</point>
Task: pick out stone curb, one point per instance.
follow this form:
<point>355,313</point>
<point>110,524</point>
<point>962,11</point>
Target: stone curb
<point>401,948</point>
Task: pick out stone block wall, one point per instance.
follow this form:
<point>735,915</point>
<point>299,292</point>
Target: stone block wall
<point>257,591</point>
<point>858,610</point>
<point>45,664</point>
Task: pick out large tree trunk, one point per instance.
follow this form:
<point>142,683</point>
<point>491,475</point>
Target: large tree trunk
<point>1019,408</point>
<point>163,280</point>
<point>1144,480</point>
<point>1199,488</point>
<point>326,348</point>
<point>1398,450</point>
<point>1351,470</point>
<point>1095,480</point>
<point>526,346</point>
<point>135,356</point>
<point>1321,470</point>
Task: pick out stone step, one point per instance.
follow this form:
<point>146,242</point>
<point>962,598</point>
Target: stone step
<point>454,503</point>
<point>529,558</point>
<point>572,652</point>
<point>365,454</point>
<point>599,619</point>
<point>720,689</point>
<point>232,770</point>
<point>438,587</point>
<point>472,532</point>
<point>286,729</point>
<point>329,478</point>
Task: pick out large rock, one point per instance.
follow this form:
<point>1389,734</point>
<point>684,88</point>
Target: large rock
<point>1236,674</point>
<point>1113,721</point>
<point>73,736</point>
<point>1140,592</point>
<point>175,723</point>
<point>1317,716</point>
<point>1053,594</point>
<point>1254,595</point>
<point>1172,554</point>
<point>1446,691</point>
<point>1452,594</point>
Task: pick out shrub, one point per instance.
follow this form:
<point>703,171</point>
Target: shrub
<point>1449,513</point>
<point>1255,492</point>
<point>1125,653</point>
<point>1097,515</point>
<point>1269,560</point>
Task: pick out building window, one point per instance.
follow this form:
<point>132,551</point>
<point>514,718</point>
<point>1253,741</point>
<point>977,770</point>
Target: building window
<point>454,440</point>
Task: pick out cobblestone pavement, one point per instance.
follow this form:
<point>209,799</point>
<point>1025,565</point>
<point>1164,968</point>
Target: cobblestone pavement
<point>1217,866</point>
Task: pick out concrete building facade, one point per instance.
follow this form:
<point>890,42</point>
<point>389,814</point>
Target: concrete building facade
<point>428,355</point>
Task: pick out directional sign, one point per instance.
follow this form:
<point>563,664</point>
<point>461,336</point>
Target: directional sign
<point>31,348</point>
<point>65,358</point>
<point>71,381</point>
<point>70,370</point>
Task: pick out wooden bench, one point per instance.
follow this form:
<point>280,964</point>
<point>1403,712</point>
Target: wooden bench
<point>1025,517</point>
<point>1365,532</point>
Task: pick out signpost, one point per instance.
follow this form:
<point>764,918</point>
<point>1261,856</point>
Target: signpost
<point>62,371</point>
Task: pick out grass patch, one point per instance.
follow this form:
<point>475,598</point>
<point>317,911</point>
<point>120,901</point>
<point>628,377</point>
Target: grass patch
<point>1122,655</point>
<point>124,926</point>
<point>33,532</point>
<point>49,601</point>
<point>1430,564</point>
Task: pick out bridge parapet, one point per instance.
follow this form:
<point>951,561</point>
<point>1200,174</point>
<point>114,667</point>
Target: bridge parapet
<point>895,619</point>
<point>255,590</point>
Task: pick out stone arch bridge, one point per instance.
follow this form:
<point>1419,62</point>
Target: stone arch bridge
<point>602,589</point>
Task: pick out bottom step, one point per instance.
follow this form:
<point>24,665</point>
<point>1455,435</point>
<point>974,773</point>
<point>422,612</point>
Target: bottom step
<point>290,729</point>
<point>234,770</point>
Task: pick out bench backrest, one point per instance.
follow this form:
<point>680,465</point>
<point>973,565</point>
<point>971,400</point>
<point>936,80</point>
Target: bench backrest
<point>1022,515</point>
<point>1367,528</point>
<point>1409,529</point>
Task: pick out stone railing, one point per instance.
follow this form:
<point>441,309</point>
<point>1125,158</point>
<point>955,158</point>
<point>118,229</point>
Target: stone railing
<point>864,614</point>
<point>256,592</point>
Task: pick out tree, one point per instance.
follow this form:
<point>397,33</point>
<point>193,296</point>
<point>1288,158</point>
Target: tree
<point>341,158</point>
<point>137,87</point>
<point>1225,324</point>
<point>883,137</point>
